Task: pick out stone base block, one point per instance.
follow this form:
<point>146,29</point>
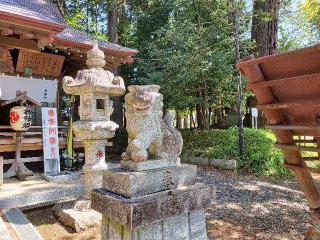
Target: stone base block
<point>94,175</point>
<point>136,212</point>
<point>136,184</point>
<point>77,220</point>
<point>186,226</point>
<point>147,165</point>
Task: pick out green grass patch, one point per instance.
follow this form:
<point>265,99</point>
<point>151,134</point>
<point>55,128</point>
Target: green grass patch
<point>260,156</point>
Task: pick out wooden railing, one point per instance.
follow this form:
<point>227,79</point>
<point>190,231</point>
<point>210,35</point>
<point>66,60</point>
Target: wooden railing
<point>32,139</point>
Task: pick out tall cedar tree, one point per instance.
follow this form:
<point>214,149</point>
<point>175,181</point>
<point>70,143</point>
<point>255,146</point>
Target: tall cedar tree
<point>264,33</point>
<point>113,25</point>
<point>265,26</point>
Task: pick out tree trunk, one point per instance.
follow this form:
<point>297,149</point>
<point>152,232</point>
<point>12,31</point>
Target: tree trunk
<point>239,83</point>
<point>199,116</point>
<point>185,121</point>
<point>192,123</point>
<point>178,120</point>
<point>264,32</point>
<point>204,111</point>
<point>61,5</point>
<point>265,26</point>
<point>113,24</point>
<point>204,107</point>
<point>218,113</point>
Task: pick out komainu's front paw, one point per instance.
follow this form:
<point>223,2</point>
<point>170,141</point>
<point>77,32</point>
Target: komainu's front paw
<point>139,156</point>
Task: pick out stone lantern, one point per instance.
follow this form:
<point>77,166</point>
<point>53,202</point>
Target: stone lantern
<point>95,86</point>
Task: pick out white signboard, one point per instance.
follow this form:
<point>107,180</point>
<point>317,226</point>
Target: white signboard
<point>38,89</point>
<point>254,118</point>
<point>50,141</point>
<point>254,112</point>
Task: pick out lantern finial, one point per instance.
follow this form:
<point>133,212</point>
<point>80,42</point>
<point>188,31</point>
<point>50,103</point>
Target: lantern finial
<point>95,57</point>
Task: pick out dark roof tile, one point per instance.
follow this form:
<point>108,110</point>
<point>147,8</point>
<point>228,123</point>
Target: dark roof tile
<point>45,11</point>
<point>73,35</point>
<point>41,10</point>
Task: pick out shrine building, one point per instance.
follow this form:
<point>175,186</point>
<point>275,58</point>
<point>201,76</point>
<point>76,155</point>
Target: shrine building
<point>37,49</point>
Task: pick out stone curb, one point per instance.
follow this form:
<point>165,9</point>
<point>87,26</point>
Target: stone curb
<point>218,163</point>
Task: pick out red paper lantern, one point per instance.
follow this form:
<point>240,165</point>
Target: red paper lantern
<point>20,118</point>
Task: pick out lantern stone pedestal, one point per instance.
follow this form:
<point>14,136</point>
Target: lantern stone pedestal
<point>95,86</point>
<point>152,196</point>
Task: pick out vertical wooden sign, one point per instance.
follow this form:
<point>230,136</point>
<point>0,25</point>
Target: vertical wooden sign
<point>50,141</point>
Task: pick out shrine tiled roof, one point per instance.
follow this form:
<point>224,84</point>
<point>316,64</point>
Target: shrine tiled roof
<point>72,35</point>
<point>46,13</point>
<point>40,10</point>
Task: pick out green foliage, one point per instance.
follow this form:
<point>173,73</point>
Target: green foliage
<point>187,47</point>
<point>120,140</point>
<point>311,9</point>
<point>260,157</point>
<point>297,26</point>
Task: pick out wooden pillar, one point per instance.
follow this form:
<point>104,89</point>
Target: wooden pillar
<point>18,151</point>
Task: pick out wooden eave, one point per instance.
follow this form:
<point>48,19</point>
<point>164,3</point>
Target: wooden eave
<point>21,98</point>
<point>125,54</point>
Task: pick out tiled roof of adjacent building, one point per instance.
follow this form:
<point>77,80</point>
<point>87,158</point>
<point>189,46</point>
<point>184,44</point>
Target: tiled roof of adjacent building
<point>43,11</point>
<point>70,34</point>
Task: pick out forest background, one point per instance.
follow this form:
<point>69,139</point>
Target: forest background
<point>188,47</point>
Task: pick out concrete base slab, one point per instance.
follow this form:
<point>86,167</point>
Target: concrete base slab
<point>135,184</point>
<point>37,192</point>
<point>77,220</point>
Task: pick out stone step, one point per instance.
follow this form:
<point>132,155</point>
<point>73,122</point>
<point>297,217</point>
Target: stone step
<point>20,225</point>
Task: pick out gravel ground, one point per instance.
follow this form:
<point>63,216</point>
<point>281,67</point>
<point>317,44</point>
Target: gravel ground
<point>245,207</point>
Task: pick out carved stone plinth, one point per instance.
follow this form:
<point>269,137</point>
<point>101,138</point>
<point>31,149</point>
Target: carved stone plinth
<point>171,214</point>
<point>140,183</point>
<point>189,226</point>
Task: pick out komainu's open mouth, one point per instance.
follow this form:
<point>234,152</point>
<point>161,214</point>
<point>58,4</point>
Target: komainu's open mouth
<point>139,108</point>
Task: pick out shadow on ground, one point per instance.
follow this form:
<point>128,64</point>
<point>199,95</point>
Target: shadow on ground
<point>245,207</point>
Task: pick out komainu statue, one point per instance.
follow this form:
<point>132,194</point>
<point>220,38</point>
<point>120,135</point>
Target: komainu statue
<point>149,135</point>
